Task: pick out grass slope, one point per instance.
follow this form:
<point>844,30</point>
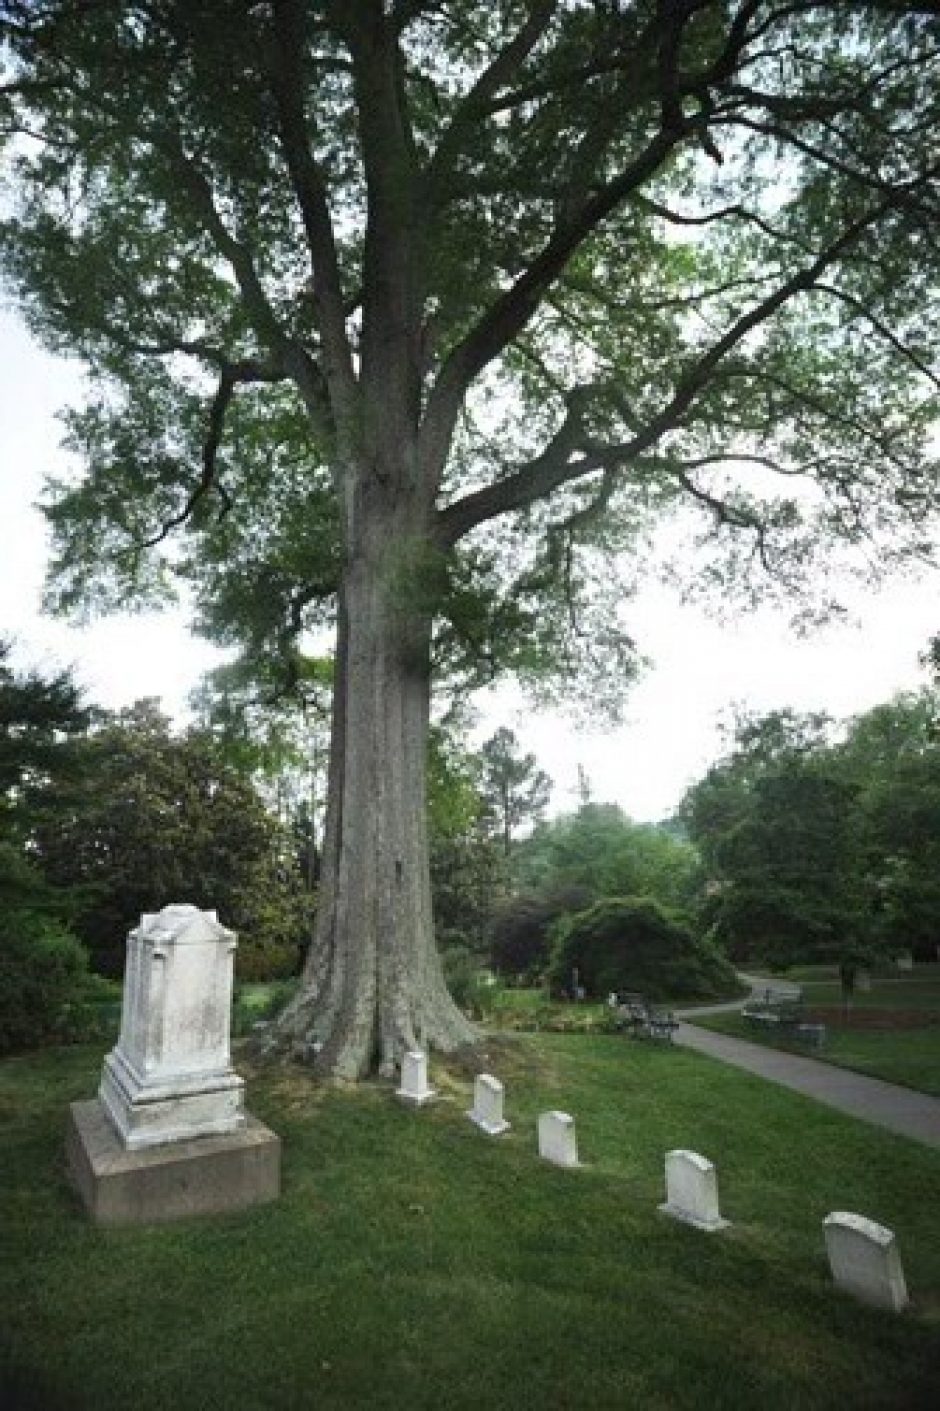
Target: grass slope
<point>414,1263</point>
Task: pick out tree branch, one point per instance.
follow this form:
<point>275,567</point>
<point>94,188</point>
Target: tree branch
<point>555,467</point>
<point>512,311</point>
<point>475,105</point>
<point>882,329</point>
<point>310,190</point>
<point>230,376</point>
<point>292,356</point>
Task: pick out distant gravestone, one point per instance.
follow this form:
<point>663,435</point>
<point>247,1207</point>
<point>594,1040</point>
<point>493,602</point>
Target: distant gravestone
<point>863,981</point>
<point>557,1139</point>
<point>904,960</point>
<point>487,1110</point>
<point>414,1079</point>
<point>692,1191</point>
<point>168,1135</point>
<point>865,1260</point>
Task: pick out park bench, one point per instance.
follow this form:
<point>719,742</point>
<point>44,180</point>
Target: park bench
<point>643,1019</point>
<point>783,1012</point>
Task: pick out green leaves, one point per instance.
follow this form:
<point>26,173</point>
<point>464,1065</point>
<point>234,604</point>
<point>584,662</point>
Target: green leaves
<point>813,847</point>
<point>707,231</point>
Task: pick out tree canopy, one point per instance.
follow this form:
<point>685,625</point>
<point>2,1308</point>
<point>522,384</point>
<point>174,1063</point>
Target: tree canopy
<point>601,852</point>
<point>694,239</point>
<point>406,315</point>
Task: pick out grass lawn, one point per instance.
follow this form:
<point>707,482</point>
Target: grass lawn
<point>414,1263</point>
<point>910,1057</point>
<point>920,989</point>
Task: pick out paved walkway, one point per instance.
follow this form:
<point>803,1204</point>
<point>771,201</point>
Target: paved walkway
<point>901,1110</point>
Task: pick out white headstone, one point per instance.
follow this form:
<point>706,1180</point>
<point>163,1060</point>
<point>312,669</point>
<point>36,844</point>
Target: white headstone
<point>692,1191</point>
<point>904,960</point>
<point>487,1110</point>
<point>557,1140</point>
<point>865,1260</point>
<point>170,1077</point>
<point>414,1079</point>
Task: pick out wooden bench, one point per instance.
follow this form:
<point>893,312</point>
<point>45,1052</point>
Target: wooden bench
<point>644,1020</point>
<point>783,1012</point>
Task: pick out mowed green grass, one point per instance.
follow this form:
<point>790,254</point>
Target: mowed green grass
<point>909,1056</point>
<point>414,1263</point>
<point>917,989</point>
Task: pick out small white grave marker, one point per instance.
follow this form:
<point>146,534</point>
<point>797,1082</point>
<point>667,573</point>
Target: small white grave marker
<point>557,1140</point>
<point>904,960</point>
<point>692,1191</point>
<point>865,1260</point>
<point>487,1110</point>
<point>414,1079</point>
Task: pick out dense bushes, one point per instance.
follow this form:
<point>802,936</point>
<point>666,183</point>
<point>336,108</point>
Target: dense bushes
<point>154,817</point>
<point>468,985</point>
<point>45,986</point>
<point>635,944</point>
<point>520,931</point>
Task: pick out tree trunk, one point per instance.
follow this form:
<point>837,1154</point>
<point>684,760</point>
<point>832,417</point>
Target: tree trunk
<point>373,987</point>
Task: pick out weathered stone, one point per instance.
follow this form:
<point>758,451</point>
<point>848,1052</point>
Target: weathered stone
<point>203,1176</point>
<point>557,1139</point>
<point>692,1191</point>
<point>170,1076</point>
<point>414,1079</point>
<point>865,1259</point>
<point>904,960</point>
<point>487,1110</point>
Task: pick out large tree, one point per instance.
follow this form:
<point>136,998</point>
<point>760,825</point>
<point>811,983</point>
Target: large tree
<point>402,312</point>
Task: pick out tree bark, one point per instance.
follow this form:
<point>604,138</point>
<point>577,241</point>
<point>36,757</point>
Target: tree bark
<point>372,986</point>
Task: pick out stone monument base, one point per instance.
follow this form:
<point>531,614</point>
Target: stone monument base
<point>203,1176</point>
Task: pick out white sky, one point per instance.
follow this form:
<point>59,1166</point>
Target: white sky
<point>701,668</point>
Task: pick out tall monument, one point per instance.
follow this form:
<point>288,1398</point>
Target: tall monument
<point>168,1134</point>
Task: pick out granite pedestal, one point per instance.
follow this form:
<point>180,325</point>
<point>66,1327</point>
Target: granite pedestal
<point>202,1176</point>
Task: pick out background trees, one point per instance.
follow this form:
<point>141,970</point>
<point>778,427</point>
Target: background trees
<point>43,968</point>
<point>571,862</point>
<point>163,816</point>
<point>104,817</point>
<point>813,846</point>
<point>600,851</point>
<point>515,791</point>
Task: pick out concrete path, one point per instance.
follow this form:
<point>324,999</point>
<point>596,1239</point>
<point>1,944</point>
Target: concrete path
<point>899,1110</point>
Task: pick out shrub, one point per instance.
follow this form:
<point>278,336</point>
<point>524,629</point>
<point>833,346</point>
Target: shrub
<point>633,943</point>
<point>466,981</point>
<point>266,960</point>
<point>45,987</point>
<point>520,932</point>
